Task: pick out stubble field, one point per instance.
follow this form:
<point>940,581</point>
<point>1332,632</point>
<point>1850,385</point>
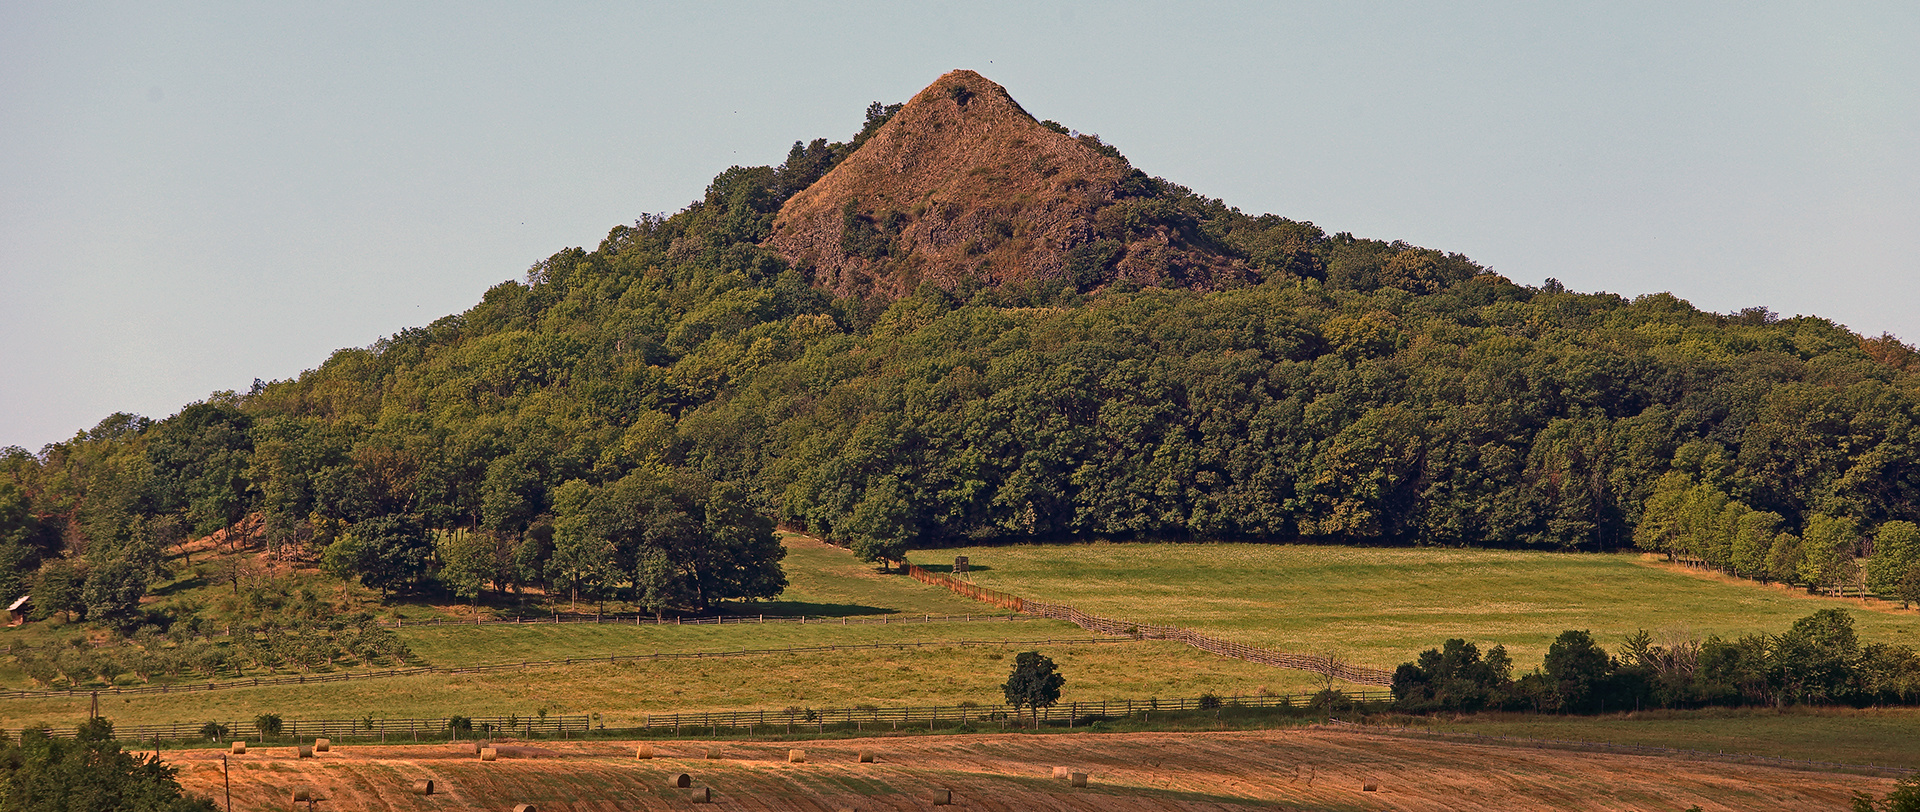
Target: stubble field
<point>1294,769</point>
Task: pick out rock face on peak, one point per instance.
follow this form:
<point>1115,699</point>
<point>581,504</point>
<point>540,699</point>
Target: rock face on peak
<point>963,188</point>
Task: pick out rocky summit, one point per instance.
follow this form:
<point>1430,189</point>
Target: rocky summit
<point>963,188</point>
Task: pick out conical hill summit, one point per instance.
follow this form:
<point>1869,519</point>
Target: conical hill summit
<point>963,188</point>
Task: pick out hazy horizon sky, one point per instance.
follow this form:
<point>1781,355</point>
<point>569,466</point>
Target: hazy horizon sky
<point>198,195</point>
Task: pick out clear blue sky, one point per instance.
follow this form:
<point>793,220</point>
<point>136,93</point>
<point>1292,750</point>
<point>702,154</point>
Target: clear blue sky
<point>196,195</point>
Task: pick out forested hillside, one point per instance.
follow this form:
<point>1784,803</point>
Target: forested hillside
<point>625,420</point>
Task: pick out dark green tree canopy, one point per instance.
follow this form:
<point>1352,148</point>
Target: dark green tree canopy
<point>41,773</point>
<point>1035,682</point>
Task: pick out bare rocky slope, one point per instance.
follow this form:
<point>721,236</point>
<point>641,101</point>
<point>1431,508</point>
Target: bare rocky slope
<point>962,187</point>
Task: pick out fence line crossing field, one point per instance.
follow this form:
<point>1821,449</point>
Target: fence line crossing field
<point>628,691</point>
<point>1382,606</point>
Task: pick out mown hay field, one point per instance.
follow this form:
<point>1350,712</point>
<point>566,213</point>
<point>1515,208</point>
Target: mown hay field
<point>1382,606</point>
<point>1142,772</point>
<point>1883,736</point>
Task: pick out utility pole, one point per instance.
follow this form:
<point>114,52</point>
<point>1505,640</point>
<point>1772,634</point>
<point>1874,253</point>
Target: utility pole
<point>227,778</point>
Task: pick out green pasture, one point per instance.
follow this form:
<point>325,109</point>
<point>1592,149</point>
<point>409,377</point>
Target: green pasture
<point>624,692</point>
<point>1381,606</point>
<point>454,646</point>
<point>847,602</point>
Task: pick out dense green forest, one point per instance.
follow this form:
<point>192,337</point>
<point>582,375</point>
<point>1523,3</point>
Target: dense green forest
<point>629,421</point>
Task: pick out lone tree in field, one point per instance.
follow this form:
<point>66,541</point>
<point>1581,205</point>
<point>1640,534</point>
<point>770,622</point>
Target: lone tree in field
<point>1035,684</point>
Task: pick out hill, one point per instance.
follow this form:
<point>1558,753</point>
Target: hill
<point>1144,363</point>
<point>962,188</point>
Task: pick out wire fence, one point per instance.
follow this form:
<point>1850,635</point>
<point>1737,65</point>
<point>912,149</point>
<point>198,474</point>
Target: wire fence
<point>360,676</point>
<point>750,722</point>
<point>821,719</point>
<point>1317,663</point>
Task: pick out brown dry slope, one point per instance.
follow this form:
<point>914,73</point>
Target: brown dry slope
<point>1300,769</point>
<point>963,185</point>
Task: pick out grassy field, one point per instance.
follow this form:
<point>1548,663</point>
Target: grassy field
<point>452,646</point>
<point>824,582</point>
<point>1376,606</point>
<point>1382,606</point>
<point>943,675</point>
<point>827,580</point>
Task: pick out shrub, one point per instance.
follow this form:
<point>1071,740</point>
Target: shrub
<point>1330,700</point>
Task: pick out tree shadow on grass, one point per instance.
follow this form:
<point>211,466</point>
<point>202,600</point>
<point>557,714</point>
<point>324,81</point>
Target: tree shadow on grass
<point>797,608</point>
<point>948,568</point>
<point>194,581</point>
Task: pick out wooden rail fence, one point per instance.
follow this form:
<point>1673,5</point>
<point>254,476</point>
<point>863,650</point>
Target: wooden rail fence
<point>1316,663</point>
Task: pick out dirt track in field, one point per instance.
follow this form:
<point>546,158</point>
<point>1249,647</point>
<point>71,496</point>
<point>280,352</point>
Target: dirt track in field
<point>1144,772</point>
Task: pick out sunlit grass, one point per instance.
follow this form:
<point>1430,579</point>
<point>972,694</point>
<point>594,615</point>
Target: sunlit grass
<point>943,675</point>
<point>1382,606</point>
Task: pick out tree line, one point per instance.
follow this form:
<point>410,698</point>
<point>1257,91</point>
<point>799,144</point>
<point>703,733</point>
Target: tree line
<point>629,421</point>
<point>1818,661</point>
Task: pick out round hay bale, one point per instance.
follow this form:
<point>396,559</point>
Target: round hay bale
<point>322,745</point>
<point>303,751</point>
<point>796,756</point>
<point>682,781</point>
<point>488,754</point>
<point>713,752</point>
<point>643,751</point>
<point>423,786</point>
<point>1078,779</point>
<point>301,796</point>
<point>700,795</point>
<point>238,748</point>
<point>1061,773</point>
<point>942,797</point>
<point>866,757</point>
<point>1369,787</point>
<point>524,808</point>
